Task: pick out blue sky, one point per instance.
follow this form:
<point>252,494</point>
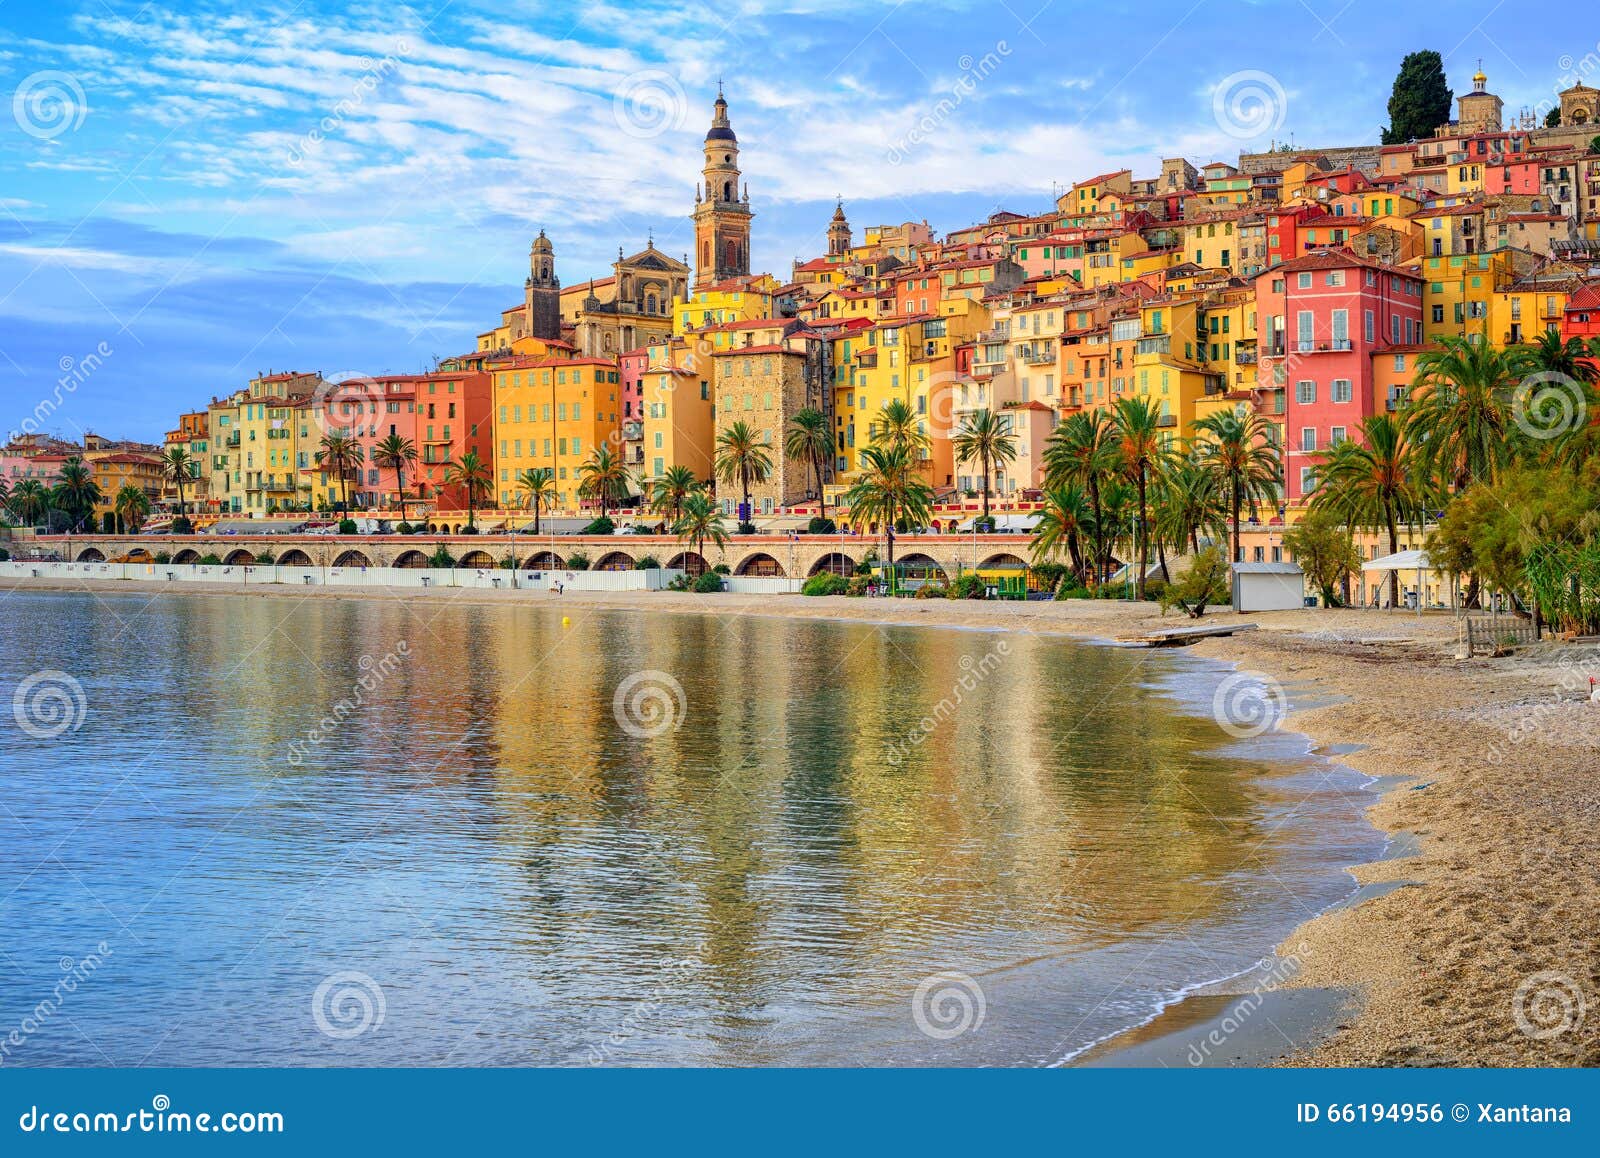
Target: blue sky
<point>208,190</point>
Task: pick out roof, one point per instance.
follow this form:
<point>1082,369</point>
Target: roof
<point>1267,569</point>
<point>766,349</point>
<point>1335,259</point>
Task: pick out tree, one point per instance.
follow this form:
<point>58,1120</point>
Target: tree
<point>76,492</point>
<point>1420,100</point>
<point>1239,454</point>
<point>1083,450</point>
<point>985,438</point>
<point>1375,483</point>
<point>700,520</point>
<point>132,506</point>
<point>898,425</point>
<point>809,440</point>
<point>1553,117</point>
<point>176,468</point>
<point>538,486</point>
<point>1461,417</point>
<point>742,458</point>
<point>1063,522</point>
<point>1144,455</point>
<point>1188,500</point>
<point>604,476</point>
<point>340,454</point>
<point>395,452</point>
<point>669,492</point>
<point>1322,545</point>
<point>472,475</point>
<point>30,501</point>
<point>1204,583</point>
<point>890,489</point>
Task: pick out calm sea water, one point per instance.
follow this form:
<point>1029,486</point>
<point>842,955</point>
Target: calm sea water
<point>410,832</point>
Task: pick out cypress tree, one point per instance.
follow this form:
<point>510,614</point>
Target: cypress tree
<point>1420,101</point>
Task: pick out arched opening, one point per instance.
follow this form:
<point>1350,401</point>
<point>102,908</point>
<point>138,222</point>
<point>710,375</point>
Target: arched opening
<point>413,559</point>
<point>690,562</point>
<point>543,561</point>
<point>137,555</point>
<point>727,190</point>
<point>478,559</point>
<point>834,564</point>
<point>186,556</point>
<point>240,558</point>
<point>433,528</point>
<point>615,561</point>
<point>761,565</point>
<point>1003,561</point>
<point>91,555</point>
<point>294,557</point>
<point>352,559</point>
<point>919,566</point>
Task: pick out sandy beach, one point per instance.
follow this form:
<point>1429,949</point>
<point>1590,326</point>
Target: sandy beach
<point>1475,948</point>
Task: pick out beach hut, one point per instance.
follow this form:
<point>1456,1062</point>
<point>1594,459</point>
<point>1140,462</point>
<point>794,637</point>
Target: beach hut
<point>1268,587</point>
<point>1415,561</point>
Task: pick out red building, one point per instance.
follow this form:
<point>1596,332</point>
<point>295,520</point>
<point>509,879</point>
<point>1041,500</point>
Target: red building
<point>1322,317</point>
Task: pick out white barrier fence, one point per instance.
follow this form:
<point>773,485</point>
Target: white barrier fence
<point>487,578</point>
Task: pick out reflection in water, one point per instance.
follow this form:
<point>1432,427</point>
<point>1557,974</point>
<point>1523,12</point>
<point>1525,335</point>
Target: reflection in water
<point>829,814</point>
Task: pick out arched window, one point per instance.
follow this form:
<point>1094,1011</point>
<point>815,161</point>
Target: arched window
<point>727,190</point>
<point>649,303</point>
<point>705,253</point>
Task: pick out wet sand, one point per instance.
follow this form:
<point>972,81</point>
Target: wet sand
<point>1478,948</point>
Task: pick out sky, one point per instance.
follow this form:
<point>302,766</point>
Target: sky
<point>194,193</point>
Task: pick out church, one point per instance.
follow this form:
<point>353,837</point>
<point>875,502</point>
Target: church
<point>605,317</point>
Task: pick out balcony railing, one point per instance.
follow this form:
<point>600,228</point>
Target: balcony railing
<point>1157,346</point>
<point>1244,357</point>
<point>1324,346</point>
<point>1167,420</point>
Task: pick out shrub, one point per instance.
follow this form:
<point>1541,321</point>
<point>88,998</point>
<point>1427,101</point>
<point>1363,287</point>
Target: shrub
<point>647,563</point>
<point>441,557</point>
<point>967,587</point>
<point>745,529</point>
<point>983,525</point>
<point>932,589</point>
<point>820,526</point>
<point>5,555</point>
<point>601,526</point>
<point>508,563</point>
<point>577,561</point>
<point>642,529</point>
<point>707,583</point>
<point>469,529</point>
<point>162,557</point>
<point>208,561</point>
<point>182,526</point>
<point>826,583</point>
<point>723,569</point>
<point>1154,589</point>
<point>347,526</point>
<point>1050,575</point>
<point>402,528</point>
<point>1205,582</point>
<point>858,586</point>
<point>680,583</point>
<point>266,559</point>
<point>1070,588</point>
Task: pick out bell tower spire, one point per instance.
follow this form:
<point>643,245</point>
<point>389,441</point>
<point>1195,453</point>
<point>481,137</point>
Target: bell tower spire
<point>721,218</point>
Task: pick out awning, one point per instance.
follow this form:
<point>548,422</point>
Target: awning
<point>1413,560</point>
<point>778,524</point>
<point>1014,524</point>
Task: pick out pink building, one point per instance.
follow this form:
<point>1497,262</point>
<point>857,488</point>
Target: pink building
<point>633,365</point>
<point>1322,317</point>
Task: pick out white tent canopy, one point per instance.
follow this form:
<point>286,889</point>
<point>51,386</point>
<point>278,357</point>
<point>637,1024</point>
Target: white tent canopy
<point>1413,560</point>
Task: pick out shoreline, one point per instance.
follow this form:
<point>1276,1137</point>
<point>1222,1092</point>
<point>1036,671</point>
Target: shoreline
<point>1486,878</point>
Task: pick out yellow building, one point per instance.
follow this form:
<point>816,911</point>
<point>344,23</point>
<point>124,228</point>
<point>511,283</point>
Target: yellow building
<point>552,414</point>
<point>679,424</point>
<point>1458,292</point>
<point>114,469</point>
<point>741,299</point>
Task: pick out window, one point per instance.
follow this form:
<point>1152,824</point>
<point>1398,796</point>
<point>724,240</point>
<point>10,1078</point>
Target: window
<point>1369,327</point>
<point>1335,277</point>
<point>1336,435</point>
<point>1304,281</point>
<point>1308,438</point>
<point>1308,480</point>
<point>1339,390</point>
<point>1305,393</point>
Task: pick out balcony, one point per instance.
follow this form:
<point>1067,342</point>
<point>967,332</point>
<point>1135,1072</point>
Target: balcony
<point>1153,347</point>
<point>1167,420</point>
<point>1325,346</point>
<point>632,431</point>
<point>1244,357</point>
<point>1036,357</point>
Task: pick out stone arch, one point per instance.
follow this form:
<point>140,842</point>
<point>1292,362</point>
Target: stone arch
<point>187,555</point>
<point>1004,559</point>
<point>480,559</point>
<point>352,558</point>
<point>239,557</point>
<point>834,563</point>
<point>615,561</point>
<point>761,565</point>
<point>91,555</point>
<point>295,557</point>
<point>413,559</point>
<point>916,565</point>
<point>543,561</point>
<point>690,562</point>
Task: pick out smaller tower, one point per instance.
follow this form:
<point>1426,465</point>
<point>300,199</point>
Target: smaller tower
<point>543,290</point>
<point>838,232</point>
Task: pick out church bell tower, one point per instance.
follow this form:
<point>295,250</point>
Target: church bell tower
<point>721,213</point>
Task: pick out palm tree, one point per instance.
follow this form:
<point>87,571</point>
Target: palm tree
<point>808,440</point>
<point>985,438</point>
<point>538,486</point>
<point>473,476</point>
<point>1571,358</point>
<point>605,477</point>
<point>670,491</point>
<point>176,465</point>
<point>1374,482</point>
<point>76,492</point>
<point>890,489</point>
<point>1461,415</point>
<point>30,501</point>
<point>1144,456</point>
<point>1083,451</point>
<point>132,506</point>
<point>340,454</point>
<point>700,520</point>
<point>1063,522</point>
<point>1239,454</point>
<point>394,452</point>
<point>742,458</point>
<point>1189,500</point>
<point>897,425</point>
<point>5,493</point>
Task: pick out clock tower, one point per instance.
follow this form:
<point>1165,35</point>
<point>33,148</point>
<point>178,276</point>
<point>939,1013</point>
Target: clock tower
<point>721,210</point>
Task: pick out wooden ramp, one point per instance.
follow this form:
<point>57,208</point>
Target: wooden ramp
<point>1183,636</point>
